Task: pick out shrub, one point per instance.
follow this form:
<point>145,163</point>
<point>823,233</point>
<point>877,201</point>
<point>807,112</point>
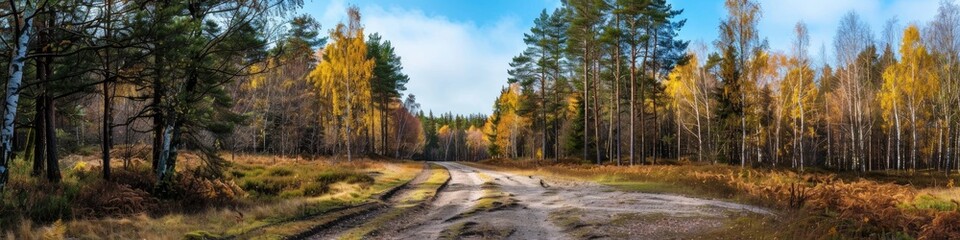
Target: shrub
<point>269,186</point>
<point>197,192</point>
<point>944,226</point>
<point>37,200</point>
<point>111,199</point>
<point>280,172</point>
<point>348,177</point>
<point>315,189</point>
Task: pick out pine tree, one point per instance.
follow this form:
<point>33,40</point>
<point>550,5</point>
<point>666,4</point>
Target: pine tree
<point>387,83</point>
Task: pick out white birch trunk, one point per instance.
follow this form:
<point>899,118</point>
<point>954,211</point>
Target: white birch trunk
<point>12,97</point>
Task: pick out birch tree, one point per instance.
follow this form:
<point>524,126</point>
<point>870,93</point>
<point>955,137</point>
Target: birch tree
<point>344,76</point>
<point>911,83</point>
<point>21,18</point>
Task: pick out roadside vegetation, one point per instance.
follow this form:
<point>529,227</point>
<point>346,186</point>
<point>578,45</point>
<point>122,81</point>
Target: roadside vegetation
<point>814,204</point>
<point>405,206</point>
<point>257,192</point>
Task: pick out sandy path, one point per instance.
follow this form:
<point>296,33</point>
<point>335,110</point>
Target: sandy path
<point>539,201</point>
<point>458,197</point>
<point>537,198</point>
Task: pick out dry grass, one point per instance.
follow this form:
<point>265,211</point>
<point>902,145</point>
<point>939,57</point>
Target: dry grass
<point>271,190</point>
<point>819,202</point>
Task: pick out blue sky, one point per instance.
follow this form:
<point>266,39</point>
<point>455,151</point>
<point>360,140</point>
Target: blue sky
<point>456,52</point>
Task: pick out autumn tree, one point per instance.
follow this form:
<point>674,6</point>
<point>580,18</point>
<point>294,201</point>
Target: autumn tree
<point>910,85</point>
<point>942,35</point>
<point>278,102</point>
<point>800,93</point>
<point>505,126</point>
<point>343,76</point>
<point>690,89</point>
<point>410,138</point>
<point>853,94</point>
<point>740,45</point>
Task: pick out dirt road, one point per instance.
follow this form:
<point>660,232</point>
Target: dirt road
<point>485,204</point>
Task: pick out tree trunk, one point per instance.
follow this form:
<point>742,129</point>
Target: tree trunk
<point>107,100</point>
<point>913,130</point>
<point>39,138</point>
<point>586,97</point>
<point>596,109</point>
<point>53,166</point>
<point>12,97</point>
<point>633,101</point>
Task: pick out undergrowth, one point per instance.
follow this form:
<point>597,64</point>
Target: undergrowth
<point>255,191</point>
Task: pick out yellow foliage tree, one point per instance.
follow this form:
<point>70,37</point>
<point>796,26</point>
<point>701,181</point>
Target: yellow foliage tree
<point>504,127</point>
<point>689,90</point>
<point>343,78</point>
<point>799,94</point>
<point>908,86</point>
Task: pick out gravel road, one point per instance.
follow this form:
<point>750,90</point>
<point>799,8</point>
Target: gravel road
<point>555,209</point>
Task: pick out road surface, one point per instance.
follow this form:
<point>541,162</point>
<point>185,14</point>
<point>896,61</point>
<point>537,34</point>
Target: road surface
<point>530,207</point>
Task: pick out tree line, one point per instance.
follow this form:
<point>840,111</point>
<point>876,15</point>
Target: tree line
<point>609,81</point>
<point>145,80</point>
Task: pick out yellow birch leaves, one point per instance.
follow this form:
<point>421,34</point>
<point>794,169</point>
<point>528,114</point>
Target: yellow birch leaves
<point>343,76</point>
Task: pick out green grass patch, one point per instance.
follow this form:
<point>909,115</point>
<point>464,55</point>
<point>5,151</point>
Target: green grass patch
<point>927,201</point>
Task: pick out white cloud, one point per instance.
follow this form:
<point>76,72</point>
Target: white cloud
<point>456,67</point>
<point>823,16</point>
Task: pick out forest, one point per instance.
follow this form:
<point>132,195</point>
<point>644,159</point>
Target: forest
<point>612,83</point>
<point>248,119</point>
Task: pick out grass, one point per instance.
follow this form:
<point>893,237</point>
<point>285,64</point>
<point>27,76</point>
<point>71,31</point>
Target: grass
<point>415,198</point>
<point>258,192</point>
<point>314,214</point>
<point>456,230</point>
<point>473,230</point>
<point>571,222</point>
<point>846,205</point>
<point>492,198</point>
